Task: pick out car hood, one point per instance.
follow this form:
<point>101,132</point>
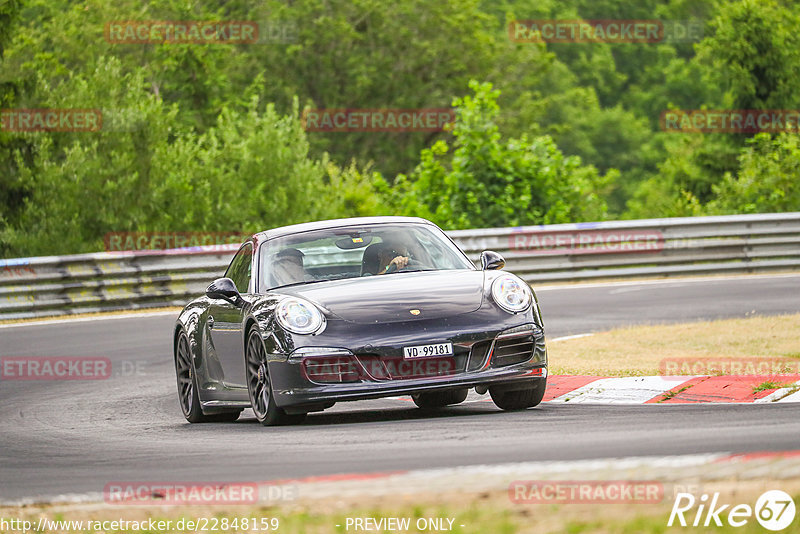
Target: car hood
<point>392,297</point>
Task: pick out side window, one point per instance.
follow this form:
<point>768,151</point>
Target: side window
<point>239,269</point>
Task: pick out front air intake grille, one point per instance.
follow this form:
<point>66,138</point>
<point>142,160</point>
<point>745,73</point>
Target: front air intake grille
<point>515,348</point>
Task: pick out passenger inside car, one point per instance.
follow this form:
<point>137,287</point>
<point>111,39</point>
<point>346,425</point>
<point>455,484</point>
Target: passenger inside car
<point>288,267</point>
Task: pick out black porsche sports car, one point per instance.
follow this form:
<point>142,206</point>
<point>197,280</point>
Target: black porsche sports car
<point>315,313</point>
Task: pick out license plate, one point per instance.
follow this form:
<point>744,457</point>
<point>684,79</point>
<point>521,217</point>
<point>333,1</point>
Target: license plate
<point>427,351</point>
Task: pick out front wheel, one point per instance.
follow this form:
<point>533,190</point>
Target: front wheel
<point>259,386</point>
<point>439,399</point>
<point>518,399</point>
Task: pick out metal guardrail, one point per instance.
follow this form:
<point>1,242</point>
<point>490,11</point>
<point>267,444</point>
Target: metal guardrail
<point>59,285</point>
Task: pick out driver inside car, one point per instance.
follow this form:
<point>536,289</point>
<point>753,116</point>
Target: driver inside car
<point>392,258</point>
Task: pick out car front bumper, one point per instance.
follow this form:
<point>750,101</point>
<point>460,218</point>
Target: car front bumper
<point>480,359</point>
<point>322,394</point>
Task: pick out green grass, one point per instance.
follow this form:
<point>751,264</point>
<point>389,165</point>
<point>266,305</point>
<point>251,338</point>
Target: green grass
<point>642,350</point>
<point>770,384</point>
<point>478,513</point>
<point>669,394</point>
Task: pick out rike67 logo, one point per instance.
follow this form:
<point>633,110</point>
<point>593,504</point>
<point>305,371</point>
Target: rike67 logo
<point>774,510</point>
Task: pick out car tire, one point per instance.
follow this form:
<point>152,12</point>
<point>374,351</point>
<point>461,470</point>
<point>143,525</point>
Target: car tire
<point>518,399</point>
<point>439,399</point>
<point>187,387</point>
<point>259,386</point>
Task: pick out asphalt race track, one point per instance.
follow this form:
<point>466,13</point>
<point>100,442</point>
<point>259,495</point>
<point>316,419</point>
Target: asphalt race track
<point>75,437</point>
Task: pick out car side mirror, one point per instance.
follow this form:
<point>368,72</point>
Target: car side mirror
<point>491,260</point>
<point>223,288</point>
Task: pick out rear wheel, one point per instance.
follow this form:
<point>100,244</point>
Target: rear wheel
<point>439,399</point>
<point>259,386</point>
<point>518,399</point>
<point>187,388</point>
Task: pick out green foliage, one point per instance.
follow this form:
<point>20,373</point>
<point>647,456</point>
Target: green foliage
<point>755,53</point>
<point>12,190</point>
<point>488,181</point>
<point>752,57</point>
<point>9,10</point>
<point>358,54</point>
<point>686,176</point>
<point>207,137</point>
<point>768,179</point>
<point>145,172</point>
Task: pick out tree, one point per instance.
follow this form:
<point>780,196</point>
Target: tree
<point>12,191</point>
<point>755,54</point>
<point>145,171</point>
<point>768,179</point>
<point>486,181</point>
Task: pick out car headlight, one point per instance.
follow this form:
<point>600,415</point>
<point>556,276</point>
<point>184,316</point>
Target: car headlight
<point>511,293</point>
<point>299,316</point>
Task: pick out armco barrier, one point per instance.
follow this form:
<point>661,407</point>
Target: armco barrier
<point>45,286</point>
<point>649,247</point>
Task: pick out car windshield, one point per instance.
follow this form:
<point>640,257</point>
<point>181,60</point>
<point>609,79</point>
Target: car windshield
<point>353,252</point>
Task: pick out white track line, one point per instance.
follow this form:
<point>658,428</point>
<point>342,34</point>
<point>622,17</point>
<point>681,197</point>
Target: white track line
<point>576,336</point>
<point>688,280</point>
<point>109,317</point>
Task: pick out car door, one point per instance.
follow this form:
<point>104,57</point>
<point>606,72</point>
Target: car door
<point>226,318</point>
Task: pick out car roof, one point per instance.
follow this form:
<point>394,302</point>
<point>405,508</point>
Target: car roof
<point>336,223</point>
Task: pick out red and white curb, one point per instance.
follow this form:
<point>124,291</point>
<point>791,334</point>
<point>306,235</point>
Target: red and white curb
<point>697,389</point>
<point>671,389</point>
